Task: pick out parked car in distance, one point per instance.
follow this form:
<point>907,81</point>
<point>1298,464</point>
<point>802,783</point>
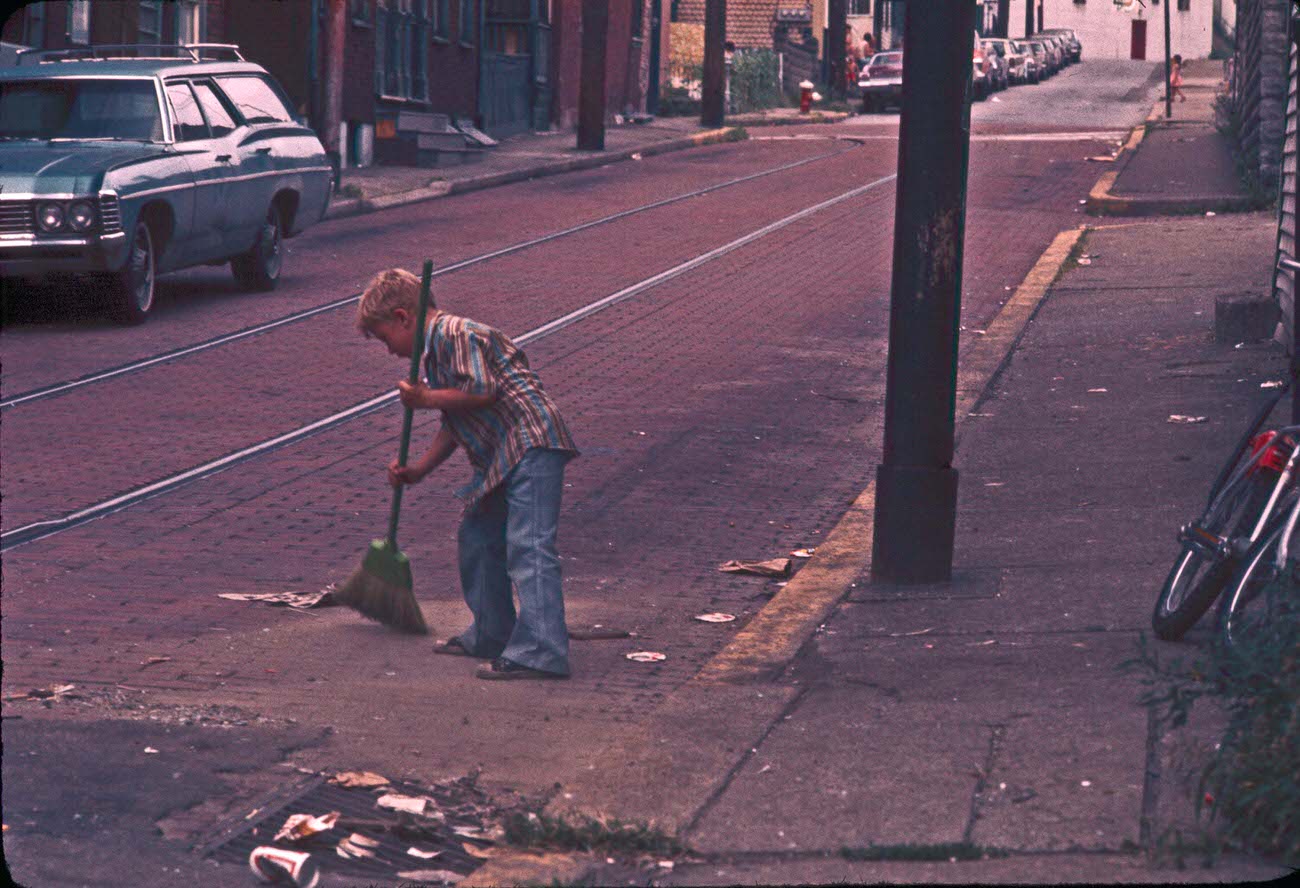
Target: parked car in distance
<point>1033,67</point>
<point>1000,71</point>
<point>881,81</point>
<point>1073,46</point>
<point>1056,46</point>
<point>1042,59</point>
<point>1013,56</point>
<point>119,163</point>
<point>980,69</point>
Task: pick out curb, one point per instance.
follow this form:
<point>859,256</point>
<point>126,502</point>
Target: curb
<point>1102,202</point>
<point>361,206</point>
<point>788,120</point>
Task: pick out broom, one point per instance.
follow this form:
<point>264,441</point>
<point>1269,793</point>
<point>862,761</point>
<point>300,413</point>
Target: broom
<point>381,588</point>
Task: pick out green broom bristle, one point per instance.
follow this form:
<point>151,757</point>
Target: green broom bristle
<point>381,590</point>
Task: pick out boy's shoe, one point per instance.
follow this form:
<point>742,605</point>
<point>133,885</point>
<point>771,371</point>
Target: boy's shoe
<point>502,669</point>
<point>453,646</point>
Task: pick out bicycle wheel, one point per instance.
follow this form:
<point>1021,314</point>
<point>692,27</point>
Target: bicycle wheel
<point>1252,597</point>
<point>1204,567</point>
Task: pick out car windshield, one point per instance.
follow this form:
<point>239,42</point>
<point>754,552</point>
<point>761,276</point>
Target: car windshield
<point>75,108</point>
<point>887,58</point>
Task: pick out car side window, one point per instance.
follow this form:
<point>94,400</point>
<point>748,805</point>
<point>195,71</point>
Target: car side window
<point>214,110</point>
<point>257,100</point>
<point>187,120</point>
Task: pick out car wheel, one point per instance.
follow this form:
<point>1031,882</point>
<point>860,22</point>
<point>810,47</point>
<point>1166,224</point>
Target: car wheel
<point>259,268</point>
<point>132,288</point>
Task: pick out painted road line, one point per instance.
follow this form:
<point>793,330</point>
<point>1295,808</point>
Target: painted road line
<point>772,637</point>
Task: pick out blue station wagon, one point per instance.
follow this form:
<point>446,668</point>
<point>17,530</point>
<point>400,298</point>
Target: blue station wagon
<point>120,163</point>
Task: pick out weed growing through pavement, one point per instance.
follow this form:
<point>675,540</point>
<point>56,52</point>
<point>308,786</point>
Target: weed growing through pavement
<point>1248,785</point>
<point>530,830</point>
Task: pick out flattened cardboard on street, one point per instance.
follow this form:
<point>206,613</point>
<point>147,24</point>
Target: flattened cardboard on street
<point>773,567</point>
<point>300,600</point>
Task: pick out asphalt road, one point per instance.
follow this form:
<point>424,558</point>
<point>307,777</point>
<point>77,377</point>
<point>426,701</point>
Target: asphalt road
<point>730,411</point>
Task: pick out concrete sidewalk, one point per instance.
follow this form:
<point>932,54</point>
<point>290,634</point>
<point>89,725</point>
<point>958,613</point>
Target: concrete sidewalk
<point>982,730</point>
<point>1179,164</point>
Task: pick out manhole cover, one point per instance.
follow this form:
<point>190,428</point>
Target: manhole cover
<point>456,826</point>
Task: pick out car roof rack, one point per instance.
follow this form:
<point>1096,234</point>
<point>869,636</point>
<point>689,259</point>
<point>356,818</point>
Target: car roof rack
<point>194,52</point>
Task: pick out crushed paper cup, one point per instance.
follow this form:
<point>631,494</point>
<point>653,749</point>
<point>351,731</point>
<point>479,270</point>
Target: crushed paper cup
<point>282,867</point>
<point>773,567</point>
<point>715,618</point>
<point>422,854</point>
<point>1180,419</point>
<point>647,656</point>
<point>803,553</point>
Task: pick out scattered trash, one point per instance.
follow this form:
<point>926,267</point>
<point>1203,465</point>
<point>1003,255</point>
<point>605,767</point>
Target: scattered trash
<point>906,634</point>
<point>1210,213</point>
<point>636,156</point>
<point>764,769</point>
<point>1085,783</point>
<point>995,99</point>
<point>774,567</point>
<point>300,826</point>
<point>281,867</point>
<point>446,877</point>
<point>299,600</point>
<point>396,802</point>
<point>646,656</point>
<point>995,483</point>
<point>153,661</point>
<point>982,643</point>
<point>54,692</point>
<point>1101,158</point>
<point>666,864</point>
<point>803,553</point>
<point>422,854</point>
<point>356,845</point>
<point>715,618</point>
<point>149,750</point>
<point>1271,384</point>
<point>1084,260</point>
<point>359,779</point>
<point>1185,420</point>
<point>1096,391</point>
<point>474,851</point>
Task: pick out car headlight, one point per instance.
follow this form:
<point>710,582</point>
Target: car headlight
<point>81,215</point>
<point>49,216</point>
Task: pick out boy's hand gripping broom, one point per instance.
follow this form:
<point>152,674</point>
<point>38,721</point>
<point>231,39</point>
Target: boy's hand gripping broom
<point>381,588</point>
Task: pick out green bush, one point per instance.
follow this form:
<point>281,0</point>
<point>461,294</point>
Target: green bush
<point>754,81</point>
<point>1249,785</point>
<point>676,101</point>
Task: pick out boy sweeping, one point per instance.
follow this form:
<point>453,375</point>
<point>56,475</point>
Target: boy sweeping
<point>494,407</point>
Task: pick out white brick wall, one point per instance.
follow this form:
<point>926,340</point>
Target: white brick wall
<point>1106,31</point>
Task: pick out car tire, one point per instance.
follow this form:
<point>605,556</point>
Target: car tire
<point>131,289</point>
<point>259,268</point>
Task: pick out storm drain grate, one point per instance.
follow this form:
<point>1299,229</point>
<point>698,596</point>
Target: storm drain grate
<point>457,815</point>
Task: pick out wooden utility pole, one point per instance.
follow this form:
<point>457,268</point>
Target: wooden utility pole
<point>916,484</point>
<point>336,32</point>
<point>713,92</point>
<point>591,91</point>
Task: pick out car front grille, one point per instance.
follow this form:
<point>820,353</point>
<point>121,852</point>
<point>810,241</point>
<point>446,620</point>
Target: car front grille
<point>16,217</point>
<point>110,217</point>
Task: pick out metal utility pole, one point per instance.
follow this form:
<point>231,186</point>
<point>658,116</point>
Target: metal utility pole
<point>1004,19</point>
<point>591,90</point>
<point>836,25</point>
<point>1169,99</point>
<point>1029,18</point>
<point>916,485</point>
<point>336,32</point>
<point>712,104</point>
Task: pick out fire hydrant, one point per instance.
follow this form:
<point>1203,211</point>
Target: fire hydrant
<point>805,96</point>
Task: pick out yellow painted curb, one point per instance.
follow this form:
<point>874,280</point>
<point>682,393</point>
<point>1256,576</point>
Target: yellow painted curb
<point>774,635</point>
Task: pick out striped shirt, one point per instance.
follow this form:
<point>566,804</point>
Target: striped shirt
<point>478,360</point>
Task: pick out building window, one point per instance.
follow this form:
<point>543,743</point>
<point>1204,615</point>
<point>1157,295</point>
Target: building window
<point>360,12</point>
<point>467,22</point>
<point>442,19</point>
<point>78,21</point>
<point>638,18</point>
<point>189,21</point>
<point>150,19</point>
<point>1184,5</point>
<point>34,25</point>
<point>859,7</point>
<point>402,35</point>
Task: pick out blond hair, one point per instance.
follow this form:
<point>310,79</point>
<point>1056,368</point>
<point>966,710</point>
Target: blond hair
<point>388,291</point>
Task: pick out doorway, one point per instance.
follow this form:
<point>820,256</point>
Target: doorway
<point>1138,42</point>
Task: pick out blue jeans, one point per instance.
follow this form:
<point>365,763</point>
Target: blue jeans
<point>509,536</point>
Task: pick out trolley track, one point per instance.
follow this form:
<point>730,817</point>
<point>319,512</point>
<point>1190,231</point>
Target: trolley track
<point>52,390</point>
<point>36,530</point>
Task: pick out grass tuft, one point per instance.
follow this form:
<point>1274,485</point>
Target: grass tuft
<point>532,830</point>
